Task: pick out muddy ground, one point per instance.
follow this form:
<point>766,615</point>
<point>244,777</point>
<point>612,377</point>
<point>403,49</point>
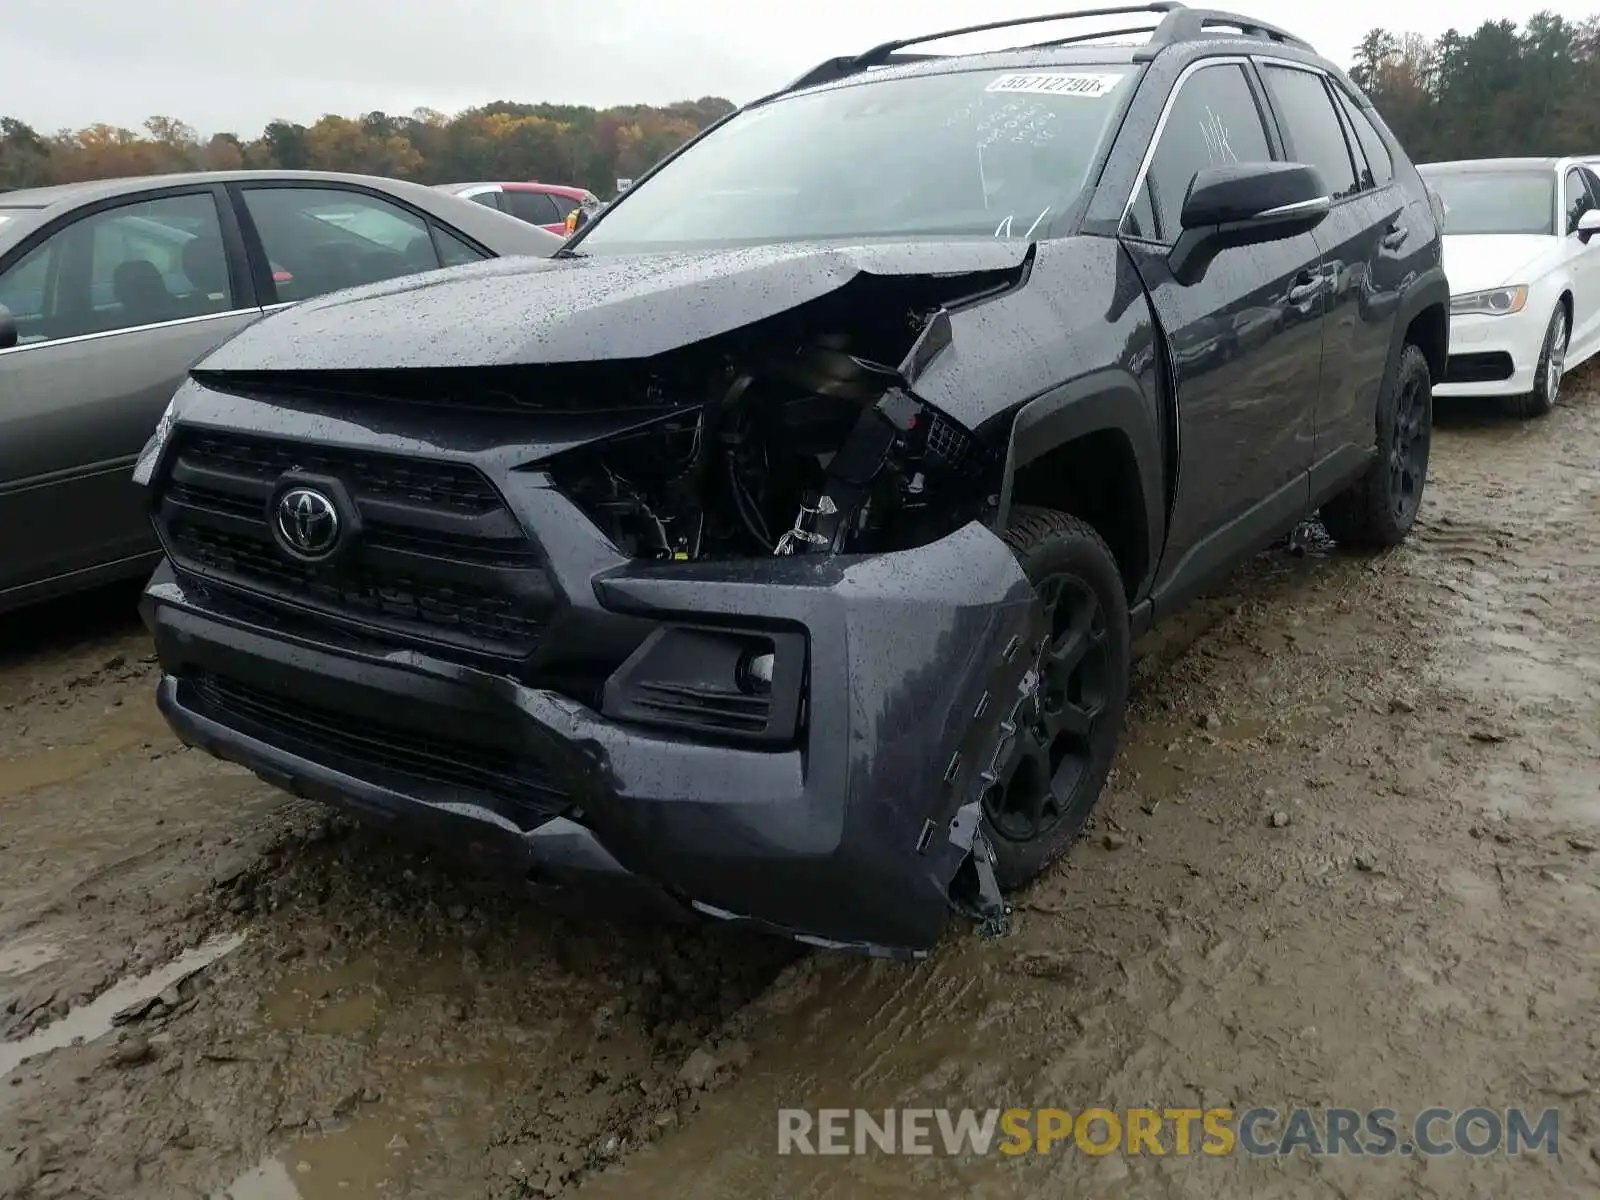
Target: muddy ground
<point>1349,856</point>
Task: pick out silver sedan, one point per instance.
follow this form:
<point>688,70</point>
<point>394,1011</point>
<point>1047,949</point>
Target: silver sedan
<point>110,290</point>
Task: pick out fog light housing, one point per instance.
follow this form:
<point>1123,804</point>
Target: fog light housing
<point>721,684</point>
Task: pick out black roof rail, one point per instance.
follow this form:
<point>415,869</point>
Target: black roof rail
<point>842,68</point>
<point>1193,24</point>
<point>888,54</point>
<point>1178,24</point>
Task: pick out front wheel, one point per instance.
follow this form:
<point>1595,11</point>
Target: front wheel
<point>1378,509</point>
<point>1068,720</point>
<point>1547,376</point>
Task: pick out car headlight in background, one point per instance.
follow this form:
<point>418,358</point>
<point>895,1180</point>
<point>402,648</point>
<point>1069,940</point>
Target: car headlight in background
<point>1495,302</point>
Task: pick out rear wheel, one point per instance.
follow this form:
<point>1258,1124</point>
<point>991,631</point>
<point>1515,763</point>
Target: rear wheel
<point>1547,376</point>
<point>1068,719</point>
<point>1378,509</point>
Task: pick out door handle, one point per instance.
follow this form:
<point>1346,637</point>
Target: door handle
<point>1306,286</point>
<point>1395,236</point>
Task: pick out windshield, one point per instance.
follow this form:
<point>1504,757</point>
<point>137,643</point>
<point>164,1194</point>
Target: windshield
<point>1496,201</point>
<point>990,153</point>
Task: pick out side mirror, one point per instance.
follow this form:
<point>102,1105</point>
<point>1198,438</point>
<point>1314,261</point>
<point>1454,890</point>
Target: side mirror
<point>1245,204</point>
<point>576,220</point>
<point>8,328</point>
<point>1588,226</point>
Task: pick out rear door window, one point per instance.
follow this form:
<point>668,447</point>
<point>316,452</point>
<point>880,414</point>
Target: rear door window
<point>537,208</point>
<point>1376,151</point>
<point>320,240</point>
<point>1311,127</point>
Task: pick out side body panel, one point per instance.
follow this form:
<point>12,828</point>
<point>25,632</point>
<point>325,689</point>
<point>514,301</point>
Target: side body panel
<point>74,418</point>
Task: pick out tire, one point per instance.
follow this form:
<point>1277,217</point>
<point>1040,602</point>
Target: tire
<point>1378,509</point>
<point>1547,376</point>
<point>1069,725</point>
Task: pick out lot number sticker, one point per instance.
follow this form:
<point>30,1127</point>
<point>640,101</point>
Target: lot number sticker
<point>1040,84</point>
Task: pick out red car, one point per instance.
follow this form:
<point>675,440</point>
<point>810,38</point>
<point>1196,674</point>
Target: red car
<point>545,204</point>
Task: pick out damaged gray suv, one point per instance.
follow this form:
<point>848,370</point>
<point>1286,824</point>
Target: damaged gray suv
<point>775,550</point>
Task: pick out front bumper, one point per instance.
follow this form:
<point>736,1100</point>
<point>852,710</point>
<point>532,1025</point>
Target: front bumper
<point>1494,356</point>
<point>850,836</point>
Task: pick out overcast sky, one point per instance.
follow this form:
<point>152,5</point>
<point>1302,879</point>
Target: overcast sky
<point>235,65</point>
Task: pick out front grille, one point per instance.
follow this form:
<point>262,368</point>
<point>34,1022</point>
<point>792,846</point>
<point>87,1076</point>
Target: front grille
<point>1488,367</point>
<point>340,739</point>
<point>439,560</point>
<point>454,487</point>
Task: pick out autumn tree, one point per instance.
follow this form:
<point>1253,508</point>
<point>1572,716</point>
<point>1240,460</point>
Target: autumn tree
<point>24,155</point>
<point>1496,91</point>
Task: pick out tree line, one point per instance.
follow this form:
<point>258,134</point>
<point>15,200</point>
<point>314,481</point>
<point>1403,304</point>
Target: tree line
<point>1499,90</point>
<point>556,143</point>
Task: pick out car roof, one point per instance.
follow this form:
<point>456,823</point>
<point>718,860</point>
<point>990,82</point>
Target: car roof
<point>29,208</point>
<point>521,185</point>
<point>100,189</point>
<point>560,189</point>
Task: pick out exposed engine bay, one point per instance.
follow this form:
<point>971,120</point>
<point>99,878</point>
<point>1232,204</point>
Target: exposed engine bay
<point>798,435</point>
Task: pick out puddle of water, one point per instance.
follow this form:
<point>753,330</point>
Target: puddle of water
<point>26,954</point>
<point>270,1181</point>
<point>342,999</point>
<point>94,1019</point>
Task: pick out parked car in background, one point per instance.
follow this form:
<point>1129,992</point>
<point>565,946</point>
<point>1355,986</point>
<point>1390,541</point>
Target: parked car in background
<point>545,204</point>
<point>109,291</point>
<point>1524,274</point>
<point>778,545</point>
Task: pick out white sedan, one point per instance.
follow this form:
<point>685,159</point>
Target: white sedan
<point>1524,275</point>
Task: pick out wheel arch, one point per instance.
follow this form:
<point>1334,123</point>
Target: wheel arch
<point>1090,448</point>
<point>1424,322</point>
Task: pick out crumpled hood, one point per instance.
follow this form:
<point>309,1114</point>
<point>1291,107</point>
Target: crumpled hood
<point>1475,261</point>
<point>524,310</point>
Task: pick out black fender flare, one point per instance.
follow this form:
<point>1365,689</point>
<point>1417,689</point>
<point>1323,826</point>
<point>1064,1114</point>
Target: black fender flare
<point>1107,399</point>
<point>1428,289</point>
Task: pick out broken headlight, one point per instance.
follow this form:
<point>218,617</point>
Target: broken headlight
<point>817,450</point>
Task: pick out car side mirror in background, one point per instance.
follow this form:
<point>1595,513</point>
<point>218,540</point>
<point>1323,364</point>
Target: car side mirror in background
<point>8,328</point>
<point>1245,204</point>
<point>576,220</point>
<point>1588,226</point>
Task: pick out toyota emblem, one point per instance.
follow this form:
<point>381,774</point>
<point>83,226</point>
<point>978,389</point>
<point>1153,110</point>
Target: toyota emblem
<point>308,522</point>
